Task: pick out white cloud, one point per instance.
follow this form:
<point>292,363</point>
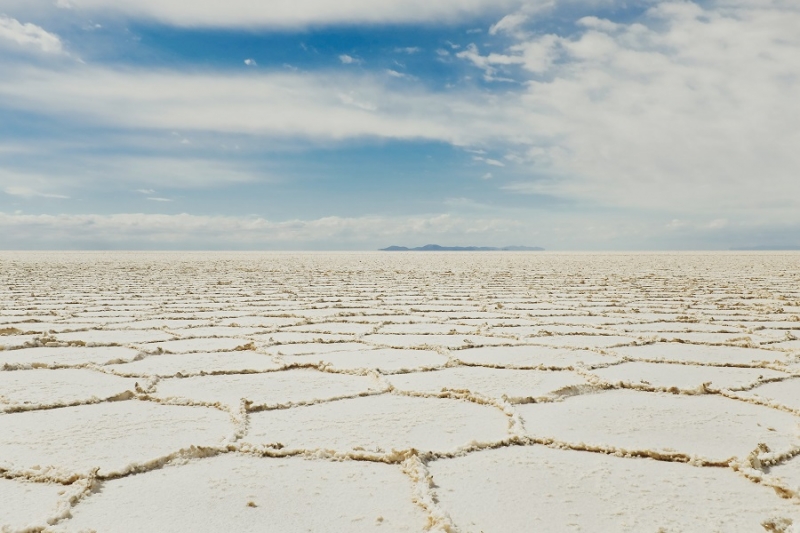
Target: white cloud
<point>232,231</point>
<point>488,161</point>
<point>509,24</point>
<point>292,13</point>
<point>250,62</point>
<point>158,199</point>
<point>313,105</point>
<point>27,192</point>
<point>29,36</point>
<point>487,176</point>
<point>688,109</point>
<point>408,49</point>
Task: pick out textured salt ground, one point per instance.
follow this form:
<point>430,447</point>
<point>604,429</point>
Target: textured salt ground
<point>265,322</point>
<point>290,337</point>
<point>214,331</point>
<point>289,494</point>
<point>315,348</point>
<point>54,387</point>
<point>701,337</point>
<point>700,353</point>
<point>537,331</point>
<point>684,377</point>
<point>542,489</point>
<point>109,436</point>
<point>785,393</point>
<point>166,365</point>
<point>25,504</point>
<point>8,342</point>
<point>67,355</point>
<point>582,341</point>
<point>532,357</point>
<point>707,427</point>
<point>666,327</point>
<point>380,423</point>
<point>341,328</point>
<point>387,360</point>
<point>210,344</point>
<point>789,473</point>
<point>516,385</point>
<point>111,336</point>
<point>271,389</point>
<point>436,329</point>
<point>448,341</point>
<point>46,327</point>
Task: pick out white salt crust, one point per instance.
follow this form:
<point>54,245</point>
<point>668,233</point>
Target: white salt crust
<point>399,392</point>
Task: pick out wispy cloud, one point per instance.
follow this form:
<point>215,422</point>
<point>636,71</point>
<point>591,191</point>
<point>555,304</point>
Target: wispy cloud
<point>26,192</point>
<point>29,36</point>
<point>292,13</point>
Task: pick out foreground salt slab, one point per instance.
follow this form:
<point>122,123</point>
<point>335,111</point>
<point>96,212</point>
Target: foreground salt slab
<point>167,365</point>
<point>380,424</point>
<point>51,388</point>
<point>254,494</point>
<point>522,489</point>
<point>515,385</point>
<point>66,355</point>
<point>388,360</point>
<point>701,354</point>
<point>114,437</point>
<point>785,393</point>
<point>269,390</point>
<point>533,357</point>
<point>703,427</point>
<point>684,377</point>
<point>24,504</point>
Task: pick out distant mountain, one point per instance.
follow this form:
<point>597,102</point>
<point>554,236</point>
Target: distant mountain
<point>437,248</point>
<point>767,248</point>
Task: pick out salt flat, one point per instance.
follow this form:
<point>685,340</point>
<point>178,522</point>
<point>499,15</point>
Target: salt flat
<point>493,392</point>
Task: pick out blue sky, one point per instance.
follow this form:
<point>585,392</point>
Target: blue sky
<point>310,124</point>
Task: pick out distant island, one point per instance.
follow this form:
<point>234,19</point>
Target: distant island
<point>767,248</point>
<point>437,248</point>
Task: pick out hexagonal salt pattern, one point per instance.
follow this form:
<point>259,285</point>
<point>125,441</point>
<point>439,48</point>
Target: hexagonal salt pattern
<point>399,392</point>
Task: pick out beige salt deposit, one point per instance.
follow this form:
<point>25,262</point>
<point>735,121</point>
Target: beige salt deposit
<point>443,392</point>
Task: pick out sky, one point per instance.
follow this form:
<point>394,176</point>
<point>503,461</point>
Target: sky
<point>359,124</point>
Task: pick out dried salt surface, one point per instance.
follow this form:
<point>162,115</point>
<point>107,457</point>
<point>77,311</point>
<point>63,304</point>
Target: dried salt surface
<point>67,355</point>
<point>24,504</point>
<point>684,377</point>
<point>701,353</point>
<point>427,328</point>
<point>582,341</point>
<point>315,348</point>
<point>785,393</point>
<point>532,357</point>
<point>423,341</point>
<point>543,489</point>
<point>704,427</point>
<point>167,365</point>
<point>98,337</point>
<point>245,493</point>
<point>387,360</point>
<point>358,400</point>
<point>113,437</point>
<point>23,389</point>
<point>271,390</point>
<point>788,474</point>
<point>380,424</point>
<point>516,385</point>
<point>210,344</point>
